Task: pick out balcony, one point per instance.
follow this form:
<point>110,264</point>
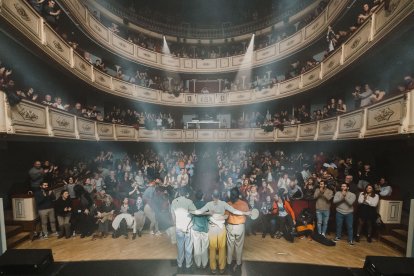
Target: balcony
<point>391,117</point>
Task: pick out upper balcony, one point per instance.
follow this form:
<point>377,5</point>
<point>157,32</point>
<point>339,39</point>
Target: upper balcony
<point>213,29</point>
<point>19,14</point>
<point>133,52</point>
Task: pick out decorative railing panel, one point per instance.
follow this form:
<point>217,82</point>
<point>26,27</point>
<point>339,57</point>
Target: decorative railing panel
<point>62,123</point>
<point>29,118</point>
<point>125,133</point>
<point>357,41</point>
<point>105,131</point>
<point>307,131</point>
<point>289,133</point>
<point>350,124</point>
<point>327,129</point>
<point>311,77</point>
<point>289,85</point>
<point>86,129</point>
<point>57,46</point>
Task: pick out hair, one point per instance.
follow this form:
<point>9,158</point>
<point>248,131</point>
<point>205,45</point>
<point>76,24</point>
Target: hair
<point>216,194</point>
<point>199,195</point>
<point>372,194</point>
<point>63,191</point>
<point>234,194</point>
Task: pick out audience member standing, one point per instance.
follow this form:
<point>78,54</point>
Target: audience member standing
<point>367,211</point>
<point>344,201</point>
<point>323,198</point>
<point>44,202</point>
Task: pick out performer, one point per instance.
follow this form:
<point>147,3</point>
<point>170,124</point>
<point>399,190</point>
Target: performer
<point>180,208</point>
<point>236,229</point>
<point>217,231</point>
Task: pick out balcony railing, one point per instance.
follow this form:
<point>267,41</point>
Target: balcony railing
<point>393,116</point>
<point>131,51</point>
<point>27,21</point>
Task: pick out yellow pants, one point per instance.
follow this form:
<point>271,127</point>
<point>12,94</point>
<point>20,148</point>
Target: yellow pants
<point>218,241</point>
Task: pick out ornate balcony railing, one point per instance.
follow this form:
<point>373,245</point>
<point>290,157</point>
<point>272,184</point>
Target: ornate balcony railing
<point>133,52</point>
<point>393,116</point>
<point>20,14</point>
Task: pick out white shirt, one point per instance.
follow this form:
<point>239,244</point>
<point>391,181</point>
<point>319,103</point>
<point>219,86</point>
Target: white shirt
<point>180,208</point>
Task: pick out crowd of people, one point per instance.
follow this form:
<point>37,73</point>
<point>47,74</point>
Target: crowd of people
<point>293,194</point>
<point>227,49</point>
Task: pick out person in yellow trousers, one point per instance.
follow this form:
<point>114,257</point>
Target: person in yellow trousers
<point>217,231</point>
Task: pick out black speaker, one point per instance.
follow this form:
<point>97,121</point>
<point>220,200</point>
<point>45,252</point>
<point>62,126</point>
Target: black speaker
<point>25,261</point>
<point>387,266</point>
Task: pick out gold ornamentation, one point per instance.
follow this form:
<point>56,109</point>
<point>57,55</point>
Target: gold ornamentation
<point>82,66</point>
<point>86,127</point>
<point>28,115</point>
<point>290,42</point>
<point>311,77</point>
<point>330,64</point>
<point>287,132</point>
<point>327,127</point>
<point>123,87</point>
<point>290,85</point>
<point>62,122</point>
<point>240,96</point>
<point>125,131</point>
<point>350,123</point>
<point>393,6</point>
<point>101,79</point>
<point>146,93</point>
<point>315,26</point>
<point>104,130</point>
<point>384,115</point>
<point>22,12</point>
<point>356,42</point>
<point>57,45</point>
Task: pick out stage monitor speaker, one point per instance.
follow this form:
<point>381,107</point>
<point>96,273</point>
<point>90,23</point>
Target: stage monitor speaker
<point>387,266</point>
<point>25,261</point>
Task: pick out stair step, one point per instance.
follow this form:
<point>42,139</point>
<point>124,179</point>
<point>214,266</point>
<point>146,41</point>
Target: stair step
<point>401,234</point>
<point>17,239</point>
<point>12,230</point>
<point>394,242</point>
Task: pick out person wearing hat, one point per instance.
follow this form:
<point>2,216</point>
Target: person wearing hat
<point>217,232</point>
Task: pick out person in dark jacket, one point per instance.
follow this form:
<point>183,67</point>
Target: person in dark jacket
<point>44,201</point>
<point>63,209</point>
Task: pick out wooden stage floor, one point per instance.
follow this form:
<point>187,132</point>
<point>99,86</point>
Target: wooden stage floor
<point>149,247</point>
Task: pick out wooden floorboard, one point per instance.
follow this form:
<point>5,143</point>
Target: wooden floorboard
<point>149,247</point>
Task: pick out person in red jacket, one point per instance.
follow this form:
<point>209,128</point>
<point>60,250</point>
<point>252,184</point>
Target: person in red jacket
<point>285,220</point>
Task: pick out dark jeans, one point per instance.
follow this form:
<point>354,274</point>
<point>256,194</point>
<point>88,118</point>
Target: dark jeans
<point>268,224</point>
<point>349,220</point>
<point>285,225</point>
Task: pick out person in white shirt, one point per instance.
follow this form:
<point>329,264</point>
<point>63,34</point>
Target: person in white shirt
<point>283,183</point>
<point>180,212</point>
<point>382,188</point>
<point>368,201</point>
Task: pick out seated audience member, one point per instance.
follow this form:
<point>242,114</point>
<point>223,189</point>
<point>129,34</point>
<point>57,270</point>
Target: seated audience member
<point>285,220</point>
<point>323,197</point>
<point>383,188</point>
<point>105,214</point>
<point>124,221</point>
<point>367,211</point>
<point>268,218</point>
<point>63,208</point>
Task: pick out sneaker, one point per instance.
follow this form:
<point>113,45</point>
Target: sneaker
<point>351,243</point>
<point>152,232</point>
<point>158,233</point>
<point>45,236</point>
<point>134,236</point>
<point>323,234</point>
<point>214,271</point>
<point>369,239</point>
<point>337,239</point>
<point>55,234</point>
<point>357,238</point>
